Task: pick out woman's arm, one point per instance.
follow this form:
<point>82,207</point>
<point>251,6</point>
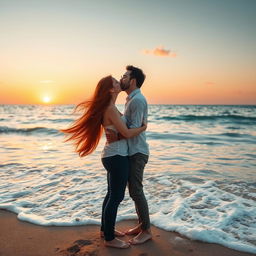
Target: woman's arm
<point>121,126</point>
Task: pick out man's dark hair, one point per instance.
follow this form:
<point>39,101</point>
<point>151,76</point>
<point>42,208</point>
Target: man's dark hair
<point>137,74</point>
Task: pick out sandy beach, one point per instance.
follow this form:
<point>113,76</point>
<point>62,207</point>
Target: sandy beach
<point>18,238</point>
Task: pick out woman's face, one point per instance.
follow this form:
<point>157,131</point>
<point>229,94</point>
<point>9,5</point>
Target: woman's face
<point>116,86</point>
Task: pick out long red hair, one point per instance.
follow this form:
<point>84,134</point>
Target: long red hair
<point>86,131</point>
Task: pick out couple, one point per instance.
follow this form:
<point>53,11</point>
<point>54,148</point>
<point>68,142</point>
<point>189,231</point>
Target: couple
<point>125,153</point>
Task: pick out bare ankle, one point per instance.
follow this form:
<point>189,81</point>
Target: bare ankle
<point>148,231</point>
<point>117,243</point>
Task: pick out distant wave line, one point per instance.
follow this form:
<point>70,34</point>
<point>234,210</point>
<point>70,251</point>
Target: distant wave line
<point>213,139</point>
<point>208,118</point>
<point>28,131</point>
<point>58,120</point>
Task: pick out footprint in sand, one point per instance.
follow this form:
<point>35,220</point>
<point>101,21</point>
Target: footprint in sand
<point>77,249</point>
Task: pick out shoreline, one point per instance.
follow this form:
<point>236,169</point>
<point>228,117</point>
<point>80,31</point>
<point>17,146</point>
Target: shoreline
<point>25,239</point>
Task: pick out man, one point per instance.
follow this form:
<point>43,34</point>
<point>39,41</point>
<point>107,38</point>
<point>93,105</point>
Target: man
<point>136,112</point>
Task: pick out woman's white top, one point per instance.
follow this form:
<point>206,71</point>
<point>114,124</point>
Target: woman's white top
<point>119,147</point>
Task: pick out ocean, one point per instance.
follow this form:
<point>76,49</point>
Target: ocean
<point>200,180</point>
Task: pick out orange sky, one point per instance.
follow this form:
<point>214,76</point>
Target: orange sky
<point>60,50</point>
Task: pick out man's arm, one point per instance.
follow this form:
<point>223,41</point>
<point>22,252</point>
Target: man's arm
<point>137,118</point>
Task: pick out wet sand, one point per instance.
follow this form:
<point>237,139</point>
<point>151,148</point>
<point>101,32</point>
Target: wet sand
<point>18,238</point>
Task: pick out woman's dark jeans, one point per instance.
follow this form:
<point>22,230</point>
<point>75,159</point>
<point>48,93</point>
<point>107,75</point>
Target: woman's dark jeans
<point>117,176</point>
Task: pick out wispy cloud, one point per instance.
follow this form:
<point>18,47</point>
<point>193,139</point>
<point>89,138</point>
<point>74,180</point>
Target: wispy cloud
<point>160,52</point>
<point>46,82</point>
<point>209,83</point>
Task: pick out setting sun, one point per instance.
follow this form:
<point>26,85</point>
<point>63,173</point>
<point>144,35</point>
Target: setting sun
<point>46,99</point>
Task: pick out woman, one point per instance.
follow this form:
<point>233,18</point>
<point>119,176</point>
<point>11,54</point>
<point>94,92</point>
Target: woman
<point>101,113</point>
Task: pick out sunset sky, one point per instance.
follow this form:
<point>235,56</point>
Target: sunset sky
<point>192,51</point>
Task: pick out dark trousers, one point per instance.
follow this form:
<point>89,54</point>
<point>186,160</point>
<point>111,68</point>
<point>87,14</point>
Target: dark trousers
<point>117,176</point>
<point>137,165</point>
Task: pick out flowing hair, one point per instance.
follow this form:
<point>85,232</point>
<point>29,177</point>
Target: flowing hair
<point>86,131</point>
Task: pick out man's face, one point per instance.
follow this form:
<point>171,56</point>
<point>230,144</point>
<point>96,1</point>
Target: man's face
<point>125,80</point>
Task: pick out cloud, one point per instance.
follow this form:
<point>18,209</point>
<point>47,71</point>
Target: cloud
<point>209,83</point>
<point>160,52</point>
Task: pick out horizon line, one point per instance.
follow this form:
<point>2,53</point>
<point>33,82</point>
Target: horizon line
<point>176,104</point>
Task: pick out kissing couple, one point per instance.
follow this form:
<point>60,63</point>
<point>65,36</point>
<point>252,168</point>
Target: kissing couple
<point>125,153</point>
